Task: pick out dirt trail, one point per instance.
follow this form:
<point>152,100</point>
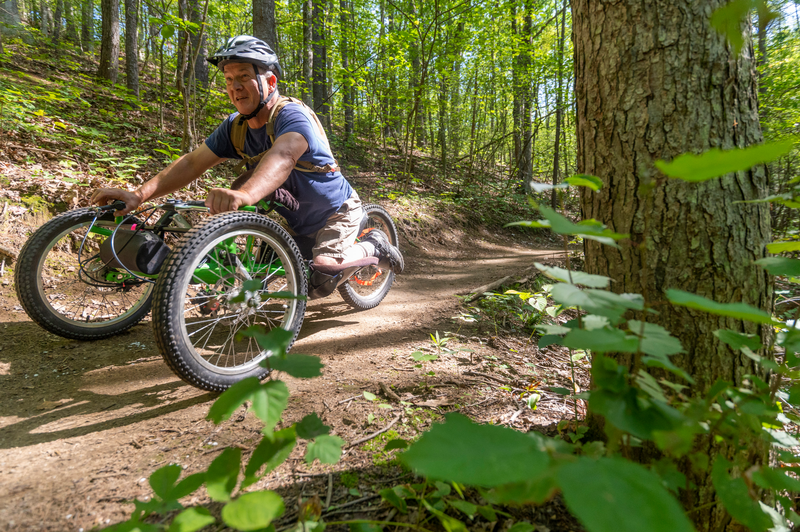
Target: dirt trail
<point>82,424</point>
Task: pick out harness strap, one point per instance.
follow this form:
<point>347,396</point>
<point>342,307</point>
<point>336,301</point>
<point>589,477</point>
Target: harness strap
<point>239,133</point>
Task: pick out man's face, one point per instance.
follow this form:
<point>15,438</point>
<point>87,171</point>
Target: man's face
<point>240,81</point>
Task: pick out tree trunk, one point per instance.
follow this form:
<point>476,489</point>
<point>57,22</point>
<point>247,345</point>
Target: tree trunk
<point>69,15</point>
<point>654,80</point>
<point>347,79</point>
<point>320,50</point>
<point>308,53</point>
<point>559,106</point>
<point>132,46</point>
<point>87,25</point>
<point>109,41</point>
<point>199,42</point>
<point>58,21</point>
<point>264,26</point>
<point>46,18</point>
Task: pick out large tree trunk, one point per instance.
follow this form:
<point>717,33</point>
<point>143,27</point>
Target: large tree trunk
<point>199,41</point>
<point>264,26</point>
<point>347,78</point>
<point>132,46</point>
<point>559,106</point>
<point>109,42</point>
<point>58,21</point>
<point>69,15</point>
<point>654,80</point>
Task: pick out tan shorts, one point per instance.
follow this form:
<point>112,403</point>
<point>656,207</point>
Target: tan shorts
<point>341,229</point>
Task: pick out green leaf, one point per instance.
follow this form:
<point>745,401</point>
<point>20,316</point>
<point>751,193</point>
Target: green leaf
<point>162,480</point>
<point>584,180</point>
<point>585,279</point>
<point>741,311</point>
<point>766,477</point>
<point>780,247</point>
<point>531,492</point>
<point>600,302</point>
<point>369,396</point>
<point>327,449</point>
<point>656,340</point>
<point>397,443</point>
<point>275,340</point>
<point>188,485</point>
<point>737,340</point>
<point>222,474</point>
<point>716,163</point>
<point>167,31</point>
<point>521,527</point>
<point>272,451</point>
<point>253,511</point>
<point>391,496</point>
<point>601,340</point>
<point>365,527</point>
<point>616,495</point>
<point>727,20</point>
<point>450,524</point>
<point>419,356</point>
<point>231,399</point>
<point>780,266</point>
<point>464,507</point>
<point>461,451</point>
<point>269,402</point>
<point>298,366</point>
<point>311,426</point>
<point>191,520</point>
<point>735,496</point>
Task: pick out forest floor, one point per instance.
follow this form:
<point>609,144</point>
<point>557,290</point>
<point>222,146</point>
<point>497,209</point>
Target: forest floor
<point>83,424</point>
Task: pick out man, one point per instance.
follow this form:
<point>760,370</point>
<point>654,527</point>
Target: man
<point>285,147</point>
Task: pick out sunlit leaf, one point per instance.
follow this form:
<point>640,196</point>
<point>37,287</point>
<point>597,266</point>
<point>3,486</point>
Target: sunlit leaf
<point>573,277</point>
<point>741,311</point>
<point>716,163</point>
<point>298,366</point>
<point>163,479</point>
<point>584,180</point>
<point>191,520</point>
<point>737,340</point>
<point>269,402</point>
<point>231,399</point>
<point>327,449</point>
<point>781,266</point>
<point>253,511</point>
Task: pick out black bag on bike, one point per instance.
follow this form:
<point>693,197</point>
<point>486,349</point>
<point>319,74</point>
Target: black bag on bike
<point>137,251</point>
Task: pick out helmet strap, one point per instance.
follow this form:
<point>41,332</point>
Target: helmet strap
<point>264,101</point>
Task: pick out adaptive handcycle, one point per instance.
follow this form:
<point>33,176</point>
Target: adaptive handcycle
<point>88,275</point>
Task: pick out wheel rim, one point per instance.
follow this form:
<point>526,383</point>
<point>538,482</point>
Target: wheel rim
<point>210,321</point>
<point>69,297</point>
<point>372,280</point>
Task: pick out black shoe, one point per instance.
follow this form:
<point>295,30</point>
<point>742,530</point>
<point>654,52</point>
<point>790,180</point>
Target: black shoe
<point>385,250</point>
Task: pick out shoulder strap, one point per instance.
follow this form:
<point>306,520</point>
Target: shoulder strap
<point>239,133</point>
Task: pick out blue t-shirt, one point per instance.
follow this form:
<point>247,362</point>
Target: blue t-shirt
<point>319,194</point>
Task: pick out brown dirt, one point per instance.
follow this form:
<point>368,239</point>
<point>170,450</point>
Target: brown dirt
<point>83,424</point>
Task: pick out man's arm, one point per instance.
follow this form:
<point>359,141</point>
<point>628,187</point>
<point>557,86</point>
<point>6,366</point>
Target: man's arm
<point>174,177</point>
<point>273,169</point>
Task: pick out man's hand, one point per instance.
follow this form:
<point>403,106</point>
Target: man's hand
<point>104,196</point>
<point>224,200</point>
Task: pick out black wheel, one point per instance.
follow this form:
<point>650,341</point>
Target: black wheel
<point>197,315</point>
<point>85,303</point>
<point>368,287</point>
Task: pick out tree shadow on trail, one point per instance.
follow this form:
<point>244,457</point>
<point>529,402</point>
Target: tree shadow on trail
<point>47,395</point>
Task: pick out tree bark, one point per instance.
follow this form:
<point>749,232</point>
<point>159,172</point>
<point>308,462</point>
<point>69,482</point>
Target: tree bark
<point>132,46</point>
<point>559,106</point>
<point>69,15</point>
<point>109,41</point>
<point>347,78</point>
<point>320,51</point>
<point>58,21</point>
<point>199,42</point>
<point>264,26</point>
<point>654,80</point>
<point>308,53</point>
<point>87,25</point>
